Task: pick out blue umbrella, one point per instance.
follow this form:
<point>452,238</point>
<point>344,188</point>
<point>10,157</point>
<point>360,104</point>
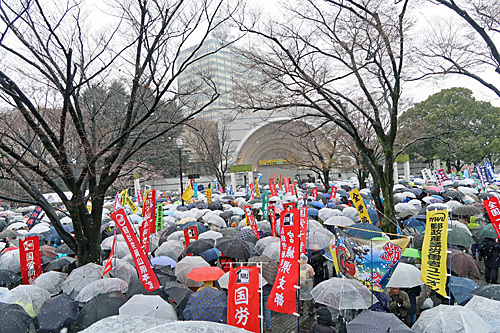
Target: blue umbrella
<point>318,204</point>
<point>199,226</point>
<point>373,216</point>
<point>207,304</point>
<point>163,261</point>
<point>461,289</point>
<point>366,231</point>
<point>413,222</point>
<point>312,211</point>
<point>437,197</point>
<point>53,233</point>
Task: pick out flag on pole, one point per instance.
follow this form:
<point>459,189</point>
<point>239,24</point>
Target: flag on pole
<point>188,193</point>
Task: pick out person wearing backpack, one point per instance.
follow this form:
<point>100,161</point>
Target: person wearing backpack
<point>489,250</point>
<point>320,267</point>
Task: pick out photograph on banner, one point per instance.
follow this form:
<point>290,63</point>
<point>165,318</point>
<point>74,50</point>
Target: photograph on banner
<point>366,260</point>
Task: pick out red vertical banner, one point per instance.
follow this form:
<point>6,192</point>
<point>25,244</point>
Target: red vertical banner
<point>272,187</point>
<point>442,174</point>
<point>287,184</point>
<point>283,297</point>
<point>146,274</point>
<point>190,235</point>
<point>251,220</point>
<point>31,262</point>
<point>315,193</point>
<point>116,201</point>
<point>333,193</point>
<point>272,220</point>
<point>243,307</point>
<point>252,190</point>
<point>280,182</point>
<point>139,195</point>
<point>109,264</point>
<point>470,171</point>
<point>303,229</point>
<point>493,209</point>
<point>149,215</point>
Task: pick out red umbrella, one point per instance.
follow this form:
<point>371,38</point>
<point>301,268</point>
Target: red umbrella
<point>206,273</point>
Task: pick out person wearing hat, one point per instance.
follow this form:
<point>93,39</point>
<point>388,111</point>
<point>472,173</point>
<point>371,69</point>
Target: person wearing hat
<point>306,284</point>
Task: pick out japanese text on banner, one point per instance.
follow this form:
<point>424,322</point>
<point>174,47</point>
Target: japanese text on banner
<point>493,209</point>
<point>359,204</point>
<point>190,235</point>
<point>243,307</point>
<point>29,257</point>
<point>283,297</point>
<point>127,201</point>
<point>251,220</point>
<point>146,274</point>
<point>303,229</point>
<point>272,220</point>
<point>434,251</point>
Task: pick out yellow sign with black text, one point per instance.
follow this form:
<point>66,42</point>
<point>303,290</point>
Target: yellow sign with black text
<point>126,200</point>
<point>359,204</point>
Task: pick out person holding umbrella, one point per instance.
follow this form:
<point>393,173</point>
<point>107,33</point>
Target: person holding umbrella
<point>399,304</point>
<point>489,250</point>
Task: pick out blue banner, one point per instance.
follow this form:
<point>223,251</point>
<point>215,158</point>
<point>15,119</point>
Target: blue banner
<point>490,174</point>
<point>34,216</point>
<point>216,183</point>
<point>481,173</point>
<point>259,176</point>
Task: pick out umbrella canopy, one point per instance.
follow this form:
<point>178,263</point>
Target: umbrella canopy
<point>10,261</point>
<point>150,306</point>
<point>262,243</point>
<point>136,288</point>
<point>102,286</point>
<point>196,326</point>
<point>229,232</point>
<point>176,291</point>
<point>171,248</point>
<point>412,253</point>
<point>273,251</point>
<point>51,281</point>
<point>100,307</point>
<point>447,318</point>
<point>233,248</point>
<point>364,230</point>
<point>491,291</point>
<point>461,288</point>
<point>209,273</point>
<point>184,267</point>
<point>81,277</point>
<point>486,308</point>
<point>487,231</point>
<point>123,270</point>
<point>210,234</point>
<point>30,297</point>
<point>7,277</point>
<point>8,233</point>
<point>269,267</point>
<point>64,249</point>
<point>14,318</point>
<point>48,251</point>
<point>342,294</point>
<point>317,240</point>
<point>60,263</point>
<point>372,321</point>
<point>339,220</point>
<point>199,246</point>
<point>163,261</point>
<point>464,265</point>
<point>207,304</point>
<point>125,323</point>
<point>467,210</point>
<point>405,276</point>
<point>56,313</point>
<point>460,237</point>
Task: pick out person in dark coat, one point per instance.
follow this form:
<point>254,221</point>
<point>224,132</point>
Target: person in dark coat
<point>489,250</point>
<point>413,293</point>
<point>323,321</point>
<point>320,267</point>
<point>399,304</point>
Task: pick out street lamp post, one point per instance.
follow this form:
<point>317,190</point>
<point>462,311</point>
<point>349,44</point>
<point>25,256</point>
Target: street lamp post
<point>179,144</point>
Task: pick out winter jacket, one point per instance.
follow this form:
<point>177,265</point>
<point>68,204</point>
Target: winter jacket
<point>490,251</point>
<point>317,328</point>
<point>400,311</point>
<point>320,266</point>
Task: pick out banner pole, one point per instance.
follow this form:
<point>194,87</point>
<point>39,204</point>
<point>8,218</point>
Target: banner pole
<point>371,264</point>
<point>450,218</point>
<point>263,317</point>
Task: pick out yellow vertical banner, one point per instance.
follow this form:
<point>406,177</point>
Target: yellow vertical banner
<point>434,251</point>
<point>126,200</point>
<point>257,189</point>
<point>208,193</point>
<point>188,193</point>
<point>359,204</point>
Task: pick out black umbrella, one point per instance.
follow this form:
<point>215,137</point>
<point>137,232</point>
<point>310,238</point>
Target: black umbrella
<point>339,207</point>
<point>227,197</point>
<point>176,291</point>
<point>14,318</point>
<point>491,291</point>
<point>233,248</point>
<point>215,205</point>
<point>346,187</point>
<point>202,206</point>
<point>59,263</point>
<point>46,260</point>
<point>254,201</point>
<point>454,194</point>
<point>229,231</point>
<point>199,246</point>
<point>7,277</point>
<point>56,313</point>
<point>136,288</point>
<point>164,273</point>
<point>181,208</point>
<point>64,249</point>
<point>432,192</point>
<point>269,267</point>
<point>373,321</point>
<point>226,215</point>
<point>99,307</point>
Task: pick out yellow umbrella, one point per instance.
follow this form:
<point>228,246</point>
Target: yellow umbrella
<point>186,219</point>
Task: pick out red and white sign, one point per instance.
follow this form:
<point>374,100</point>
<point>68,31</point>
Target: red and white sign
<point>149,214</point>
<point>272,220</point>
<point>31,262</point>
<point>117,197</point>
<point>251,220</point>
<point>315,193</point>
<point>493,209</point>
<point>287,185</point>
<point>442,174</point>
<point>252,190</point>
<point>139,195</point>
<point>190,235</point>
<point>333,193</point>
<point>303,229</point>
<point>438,180</point>
<point>146,274</point>
<point>272,187</point>
<point>283,297</point>
<point>109,263</point>
<point>243,307</point>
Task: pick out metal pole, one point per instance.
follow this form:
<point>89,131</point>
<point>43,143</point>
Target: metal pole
<point>450,218</point>
<point>180,174</point>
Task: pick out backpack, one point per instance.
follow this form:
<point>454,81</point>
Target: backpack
<point>319,266</point>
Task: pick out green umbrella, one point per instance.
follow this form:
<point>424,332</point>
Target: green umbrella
<point>487,232</point>
<point>412,253</point>
<point>379,238</point>
<point>460,237</point>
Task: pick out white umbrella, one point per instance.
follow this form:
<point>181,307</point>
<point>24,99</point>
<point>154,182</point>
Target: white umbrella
<point>124,323</point>
<point>453,204</point>
<point>176,235</point>
<point>122,269</point>
<point>101,286</point>
<point>325,213</point>
<point>467,190</point>
<point>224,281</point>
<point>273,251</point>
<point>486,308</point>
<point>148,306</point>
<point>16,225</point>
<point>210,234</point>
<point>51,281</point>
<point>38,229</point>
<point>80,277</point>
<point>467,181</point>
<point>184,267</point>
<point>30,297</point>
<point>171,248</point>
<point>339,220</point>
<point>342,294</point>
<point>10,261</point>
<point>405,276</point>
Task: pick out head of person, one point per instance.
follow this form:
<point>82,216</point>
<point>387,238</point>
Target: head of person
<point>394,291</point>
<point>303,259</point>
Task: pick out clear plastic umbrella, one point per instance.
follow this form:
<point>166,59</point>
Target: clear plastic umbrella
<point>102,286</point>
<point>176,235</point>
<point>38,229</point>
<point>30,297</point>
<point>339,220</point>
<point>81,277</point>
<point>122,270</point>
<point>185,266</point>
<point>195,326</point>
<point>317,240</point>
<point>262,243</point>
<point>210,234</point>
<point>342,294</point>
<point>10,261</point>
<point>171,248</point>
<point>405,276</point>
<point>272,251</point>
<point>149,306</point>
<point>448,318</point>
<point>125,323</point>
<point>486,308</point>
<point>51,281</point>
<point>215,220</point>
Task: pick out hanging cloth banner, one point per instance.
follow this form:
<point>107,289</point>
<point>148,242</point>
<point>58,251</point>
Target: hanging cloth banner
<point>442,175</point>
<point>257,188</point>
<point>159,217</point>
<point>493,209</point>
<point>283,297</point>
<point>109,263</point>
<point>190,235</point>
<point>358,202</point>
<point>469,174</point>
<point>195,189</point>
<point>490,173</point>
<point>265,206</point>
<point>315,193</point>
<point>481,173</point>
<point>251,220</point>
<point>272,220</point>
<point>148,222</point>
<point>34,216</point>
<point>426,174</point>
<point>280,182</point>
<point>29,257</point>
<point>438,180</point>
<point>116,201</point>
<point>287,185</point>
<point>333,193</point>
<point>303,229</point>
<point>272,187</point>
<point>146,274</point>
<point>252,190</point>
<point>243,309</point>
<point>434,251</point>
<point>137,189</point>
<point>188,193</point>
<point>208,193</point>
<point>126,200</point>
<point>368,261</point>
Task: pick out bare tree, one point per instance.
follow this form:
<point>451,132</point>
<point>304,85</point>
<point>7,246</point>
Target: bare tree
<point>330,56</point>
<point>51,56</point>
